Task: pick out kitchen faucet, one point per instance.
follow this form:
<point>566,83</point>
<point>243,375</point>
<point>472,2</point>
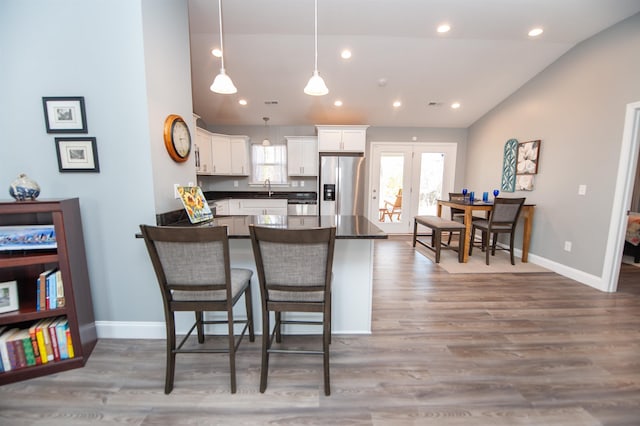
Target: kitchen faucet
<point>267,184</point>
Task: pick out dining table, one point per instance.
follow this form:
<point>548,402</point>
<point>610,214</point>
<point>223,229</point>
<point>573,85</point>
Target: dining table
<point>485,206</point>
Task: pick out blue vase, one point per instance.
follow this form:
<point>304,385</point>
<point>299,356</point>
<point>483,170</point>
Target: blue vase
<point>24,188</point>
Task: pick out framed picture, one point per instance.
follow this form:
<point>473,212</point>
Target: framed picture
<point>8,296</point>
<point>528,153</point>
<point>27,237</point>
<point>65,115</point>
<point>77,155</point>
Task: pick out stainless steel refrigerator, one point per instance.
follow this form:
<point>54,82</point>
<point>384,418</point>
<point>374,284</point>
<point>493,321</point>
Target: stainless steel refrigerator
<point>341,184</point>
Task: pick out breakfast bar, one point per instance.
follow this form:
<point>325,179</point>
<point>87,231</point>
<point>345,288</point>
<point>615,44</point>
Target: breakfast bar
<point>352,265</point>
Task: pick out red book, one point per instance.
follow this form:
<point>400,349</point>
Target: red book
<point>54,339</point>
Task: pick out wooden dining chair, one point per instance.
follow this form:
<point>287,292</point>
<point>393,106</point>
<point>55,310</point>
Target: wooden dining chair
<point>503,219</point>
<point>456,214</point>
<point>193,270</point>
<point>294,270</point>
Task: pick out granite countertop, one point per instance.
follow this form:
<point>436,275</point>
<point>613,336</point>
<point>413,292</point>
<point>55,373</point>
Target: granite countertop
<point>347,227</point>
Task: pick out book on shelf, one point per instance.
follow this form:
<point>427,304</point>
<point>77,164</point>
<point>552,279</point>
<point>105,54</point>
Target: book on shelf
<point>44,325</point>
<point>27,347</point>
<point>14,360</point>
<point>54,339</point>
<point>34,344</point>
<point>41,300</point>
<point>60,301</point>
<point>41,344</point>
<point>70,351</point>
<point>3,352</point>
<point>51,291</point>
<point>62,324</point>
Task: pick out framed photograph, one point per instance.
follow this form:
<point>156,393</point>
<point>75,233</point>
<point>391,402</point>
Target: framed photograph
<point>27,237</point>
<point>65,115</point>
<point>77,155</point>
<point>528,153</point>
<point>9,296</point>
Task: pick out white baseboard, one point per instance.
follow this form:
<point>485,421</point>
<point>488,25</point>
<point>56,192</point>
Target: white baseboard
<point>575,274</point>
<point>156,330</point>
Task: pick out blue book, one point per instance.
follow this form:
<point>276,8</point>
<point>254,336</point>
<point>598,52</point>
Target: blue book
<point>51,291</point>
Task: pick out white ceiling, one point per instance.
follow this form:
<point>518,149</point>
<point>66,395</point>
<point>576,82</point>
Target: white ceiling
<point>485,57</point>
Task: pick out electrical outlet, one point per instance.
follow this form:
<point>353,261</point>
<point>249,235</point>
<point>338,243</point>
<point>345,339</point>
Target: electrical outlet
<point>567,246</point>
<point>301,183</point>
<point>235,183</point>
<point>176,195</point>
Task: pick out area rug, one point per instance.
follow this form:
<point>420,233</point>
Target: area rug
<point>499,264</point>
<point>629,261</point>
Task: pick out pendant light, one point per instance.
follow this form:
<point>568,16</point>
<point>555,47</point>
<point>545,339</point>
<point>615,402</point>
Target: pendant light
<point>222,83</point>
<point>265,141</point>
<point>316,86</point>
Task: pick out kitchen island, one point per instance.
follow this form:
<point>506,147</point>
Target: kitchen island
<point>352,266</point>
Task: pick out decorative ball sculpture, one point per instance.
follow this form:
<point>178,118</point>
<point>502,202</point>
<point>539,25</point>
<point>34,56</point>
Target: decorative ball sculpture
<point>24,188</point>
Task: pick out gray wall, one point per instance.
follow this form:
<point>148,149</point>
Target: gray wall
<point>99,50</point>
<point>576,107</point>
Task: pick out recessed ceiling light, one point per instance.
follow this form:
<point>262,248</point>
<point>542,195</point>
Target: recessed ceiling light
<point>455,105</point>
<point>443,28</point>
<point>345,54</point>
<point>338,103</point>
<point>397,104</point>
<point>382,81</point>
<point>535,32</point>
<point>216,52</point>
<point>242,102</point>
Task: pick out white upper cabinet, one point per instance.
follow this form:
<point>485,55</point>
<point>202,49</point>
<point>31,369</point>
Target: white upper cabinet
<point>240,163</point>
<point>342,138</point>
<point>202,150</point>
<point>302,155</point>
<point>218,154</point>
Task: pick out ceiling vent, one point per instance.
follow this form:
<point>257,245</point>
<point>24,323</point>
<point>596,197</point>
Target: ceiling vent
<point>271,102</point>
<point>434,103</point>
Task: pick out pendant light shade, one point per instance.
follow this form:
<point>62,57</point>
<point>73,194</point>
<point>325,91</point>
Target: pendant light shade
<point>316,86</point>
<point>222,83</point>
<point>265,141</point>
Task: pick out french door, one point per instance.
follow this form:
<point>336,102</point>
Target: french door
<point>406,180</point>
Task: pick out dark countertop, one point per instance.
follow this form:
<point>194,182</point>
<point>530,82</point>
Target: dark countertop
<point>301,197</point>
<point>347,227</point>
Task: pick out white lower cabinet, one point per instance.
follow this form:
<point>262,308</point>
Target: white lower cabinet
<point>258,206</point>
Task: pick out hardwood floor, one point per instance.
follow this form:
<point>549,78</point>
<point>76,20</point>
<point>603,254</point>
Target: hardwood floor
<point>507,349</point>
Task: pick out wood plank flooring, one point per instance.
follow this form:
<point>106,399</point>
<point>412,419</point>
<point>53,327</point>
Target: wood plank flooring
<point>507,349</point>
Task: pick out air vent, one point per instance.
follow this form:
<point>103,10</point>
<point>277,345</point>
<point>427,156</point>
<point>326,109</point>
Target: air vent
<point>271,102</point>
<point>434,103</point>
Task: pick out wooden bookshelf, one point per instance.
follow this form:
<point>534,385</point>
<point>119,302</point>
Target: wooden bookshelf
<point>25,267</point>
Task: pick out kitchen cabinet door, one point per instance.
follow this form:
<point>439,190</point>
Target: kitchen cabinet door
<point>302,156</point>
<point>342,138</point>
<point>239,151</point>
<point>220,154</point>
<point>204,160</point>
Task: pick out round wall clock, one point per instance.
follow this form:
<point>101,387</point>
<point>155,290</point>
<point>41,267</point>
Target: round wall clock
<point>177,138</point>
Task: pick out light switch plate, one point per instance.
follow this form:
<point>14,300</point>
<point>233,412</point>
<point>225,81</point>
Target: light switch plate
<point>582,189</point>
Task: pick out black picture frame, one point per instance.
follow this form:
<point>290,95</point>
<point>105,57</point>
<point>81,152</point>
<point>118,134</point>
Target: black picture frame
<point>65,114</point>
<point>78,154</point>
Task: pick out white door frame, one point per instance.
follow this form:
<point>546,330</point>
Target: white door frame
<point>622,196</point>
<point>409,204</point>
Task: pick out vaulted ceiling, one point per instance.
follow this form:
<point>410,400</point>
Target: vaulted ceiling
<point>397,55</point>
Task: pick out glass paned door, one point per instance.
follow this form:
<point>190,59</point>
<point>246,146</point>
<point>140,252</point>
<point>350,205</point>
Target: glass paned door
<point>430,189</point>
<point>406,181</point>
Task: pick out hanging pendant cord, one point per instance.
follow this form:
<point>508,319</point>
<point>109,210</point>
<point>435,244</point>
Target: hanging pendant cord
<point>221,45</point>
<point>316,34</point>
